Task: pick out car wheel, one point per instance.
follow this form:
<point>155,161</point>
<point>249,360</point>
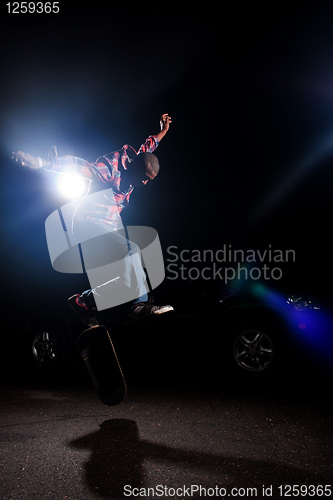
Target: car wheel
<point>47,344</point>
<point>253,349</point>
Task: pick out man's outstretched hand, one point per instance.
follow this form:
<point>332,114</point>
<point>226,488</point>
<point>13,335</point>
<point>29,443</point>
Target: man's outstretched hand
<point>165,122</point>
<point>27,160</point>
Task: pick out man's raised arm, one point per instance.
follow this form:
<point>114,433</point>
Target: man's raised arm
<point>153,141</point>
<point>165,124</point>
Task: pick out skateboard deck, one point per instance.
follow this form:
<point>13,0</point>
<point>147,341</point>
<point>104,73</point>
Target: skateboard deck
<point>100,358</point>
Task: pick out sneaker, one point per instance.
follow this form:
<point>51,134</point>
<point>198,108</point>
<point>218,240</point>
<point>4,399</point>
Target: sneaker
<point>86,313</point>
<point>143,310</point>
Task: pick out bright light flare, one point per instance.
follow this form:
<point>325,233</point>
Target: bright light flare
<point>72,186</point>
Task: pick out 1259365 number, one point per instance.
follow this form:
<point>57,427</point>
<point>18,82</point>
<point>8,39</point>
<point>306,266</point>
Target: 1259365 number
<point>33,7</point>
<point>304,490</point>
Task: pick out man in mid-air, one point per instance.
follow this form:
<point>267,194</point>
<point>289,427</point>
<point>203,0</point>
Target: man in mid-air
<point>100,213</point>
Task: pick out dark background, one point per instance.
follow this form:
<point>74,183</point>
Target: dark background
<point>248,158</point>
<point>247,162</point>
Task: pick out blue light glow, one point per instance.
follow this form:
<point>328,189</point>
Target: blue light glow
<point>310,327</point>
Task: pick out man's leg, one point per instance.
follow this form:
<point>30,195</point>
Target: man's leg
<point>114,268</point>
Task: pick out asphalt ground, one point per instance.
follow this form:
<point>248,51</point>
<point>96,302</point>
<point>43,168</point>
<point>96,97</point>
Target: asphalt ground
<point>233,439</point>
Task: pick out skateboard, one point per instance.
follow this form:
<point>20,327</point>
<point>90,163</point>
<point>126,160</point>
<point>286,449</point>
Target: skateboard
<point>100,358</point>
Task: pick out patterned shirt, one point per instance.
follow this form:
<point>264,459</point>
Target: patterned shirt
<point>106,203</point>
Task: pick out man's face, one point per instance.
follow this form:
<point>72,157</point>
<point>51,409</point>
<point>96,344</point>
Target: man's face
<point>148,176</point>
<point>139,176</point>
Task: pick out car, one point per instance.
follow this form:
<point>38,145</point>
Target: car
<point>251,331</point>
